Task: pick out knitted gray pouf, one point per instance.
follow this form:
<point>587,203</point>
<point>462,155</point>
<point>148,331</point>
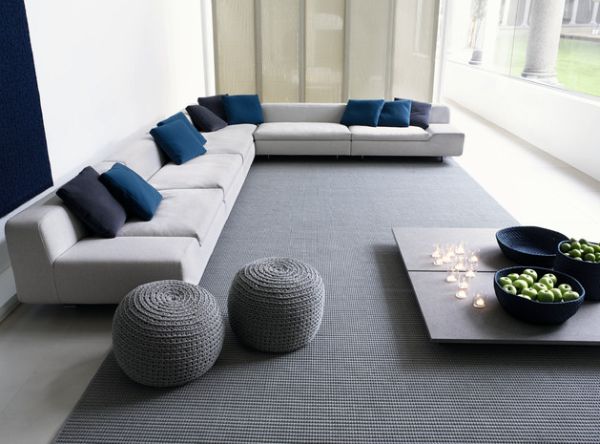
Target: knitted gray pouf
<point>276,304</point>
<point>167,333</point>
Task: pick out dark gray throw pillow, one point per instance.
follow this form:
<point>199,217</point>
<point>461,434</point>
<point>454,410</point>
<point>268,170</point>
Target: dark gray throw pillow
<point>204,119</point>
<point>93,204</point>
<point>419,113</point>
<point>215,104</point>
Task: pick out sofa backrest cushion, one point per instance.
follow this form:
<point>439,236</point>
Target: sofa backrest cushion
<point>439,114</point>
<point>138,197</point>
<point>303,112</point>
<point>141,154</point>
<point>92,203</point>
<point>178,141</point>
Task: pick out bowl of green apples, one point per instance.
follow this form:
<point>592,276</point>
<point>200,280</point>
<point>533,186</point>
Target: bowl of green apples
<point>538,295</point>
<point>581,259</point>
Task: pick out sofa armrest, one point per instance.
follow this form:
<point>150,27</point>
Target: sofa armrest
<point>447,137</point>
<point>35,238</point>
<point>103,271</point>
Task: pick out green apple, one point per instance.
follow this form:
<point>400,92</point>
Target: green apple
<point>564,287</point>
<point>583,241</point>
<point>575,253</point>
<point>513,276</point>
<point>578,258</point>
<point>531,292</point>
<point>510,289</point>
<point>565,247</point>
<point>505,280</point>
<point>524,296</point>
<point>528,278</point>
<point>531,273</point>
<point>590,257</point>
<point>570,296</point>
<point>551,276</point>
<point>545,296</point>
<point>575,245</point>
<point>587,249</point>
<point>549,283</point>
<point>596,248</point>
<point>538,286</point>
<point>520,284</point>
<point>597,257</point>
<point>557,294</point>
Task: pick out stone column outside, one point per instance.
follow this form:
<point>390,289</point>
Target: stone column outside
<point>544,38</point>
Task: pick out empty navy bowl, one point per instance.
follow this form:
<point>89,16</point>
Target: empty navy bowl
<point>530,245</point>
<point>538,312</point>
<point>588,273</point>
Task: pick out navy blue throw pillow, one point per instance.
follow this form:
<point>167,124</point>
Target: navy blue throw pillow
<point>92,203</point>
<point>181,118</point>
<point>138,197</point>
<point>396,113</point>
<point>204,119</point>
<point>362,112</point>
<point>244,108</point>
<point>215,104</point>
<point>178,141</point>
<point>419,113</point>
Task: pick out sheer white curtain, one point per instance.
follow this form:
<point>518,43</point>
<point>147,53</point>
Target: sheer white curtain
<point>325,50</point>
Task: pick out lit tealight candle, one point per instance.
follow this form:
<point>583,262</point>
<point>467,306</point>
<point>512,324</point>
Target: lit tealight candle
<point>470,274</point>
<point>463,283</point>
<point>451,278</point>
<point>479,301</point>
<point>460,249</point>
<point>438,261</point>
<point>461,294</point>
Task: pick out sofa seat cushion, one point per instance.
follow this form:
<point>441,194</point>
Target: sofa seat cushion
<point>233,139</point>
<point>388,133</point>
<point>182,213</point>
<point>302,131</point>
<point>215,171</point>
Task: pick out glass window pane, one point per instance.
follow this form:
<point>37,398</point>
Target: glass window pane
<point>234,46</point>
<point>324,50</point>
<point>280,33</point>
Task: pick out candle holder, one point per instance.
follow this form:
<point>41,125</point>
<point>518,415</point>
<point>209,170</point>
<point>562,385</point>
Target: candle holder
<point>474,257</point>
<point>437,252</point>
<point>479,301</point>
<point>460,248</point>
<point>470,273</point>
<point>461,294</point>
<point>463,282</point>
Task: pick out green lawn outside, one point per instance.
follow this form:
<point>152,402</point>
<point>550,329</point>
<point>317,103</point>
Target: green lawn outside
<point>578,65</point>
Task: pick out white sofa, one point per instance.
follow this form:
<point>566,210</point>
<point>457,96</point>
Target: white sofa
<point>314,129</point>
<point>55,261</point>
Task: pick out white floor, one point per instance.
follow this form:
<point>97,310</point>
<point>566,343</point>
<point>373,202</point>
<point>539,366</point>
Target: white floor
<point>49,354</point>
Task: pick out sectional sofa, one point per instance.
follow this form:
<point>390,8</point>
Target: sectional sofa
<point>55,261</point>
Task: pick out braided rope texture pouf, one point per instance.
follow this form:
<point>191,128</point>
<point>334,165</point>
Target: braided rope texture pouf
<point>276,304</point>
<point>167,333</point>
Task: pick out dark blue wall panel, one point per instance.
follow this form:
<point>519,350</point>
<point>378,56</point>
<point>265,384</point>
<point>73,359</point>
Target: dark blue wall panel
<point>24,164</point>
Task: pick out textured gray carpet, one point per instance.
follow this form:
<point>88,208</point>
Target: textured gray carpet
<point>370,375</point>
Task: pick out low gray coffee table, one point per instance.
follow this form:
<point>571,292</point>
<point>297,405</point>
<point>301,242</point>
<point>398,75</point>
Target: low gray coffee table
<point>449,319</point>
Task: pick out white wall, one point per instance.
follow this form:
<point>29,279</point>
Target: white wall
<point>107,70</point>
<point>563,124</point>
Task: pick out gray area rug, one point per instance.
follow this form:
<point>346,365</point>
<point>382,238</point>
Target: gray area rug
<point>371,374</point>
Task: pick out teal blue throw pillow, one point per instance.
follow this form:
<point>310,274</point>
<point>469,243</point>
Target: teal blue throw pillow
<point>181,118</point>
<point>138,197</point>
<point>244,108</point>
<point>178,141</point>
<point>362,112</point>
<point>396,113</point>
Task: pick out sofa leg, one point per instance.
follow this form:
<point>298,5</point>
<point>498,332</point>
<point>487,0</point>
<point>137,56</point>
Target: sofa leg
<point>441,159</point>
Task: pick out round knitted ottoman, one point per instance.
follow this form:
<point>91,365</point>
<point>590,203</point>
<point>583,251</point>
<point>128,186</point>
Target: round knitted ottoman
<point>276,304</point>
<point>167,333</point>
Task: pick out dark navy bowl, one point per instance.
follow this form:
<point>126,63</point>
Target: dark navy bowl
<point>588,273</point>
<point>530,245</point>
<point>538,312</point>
